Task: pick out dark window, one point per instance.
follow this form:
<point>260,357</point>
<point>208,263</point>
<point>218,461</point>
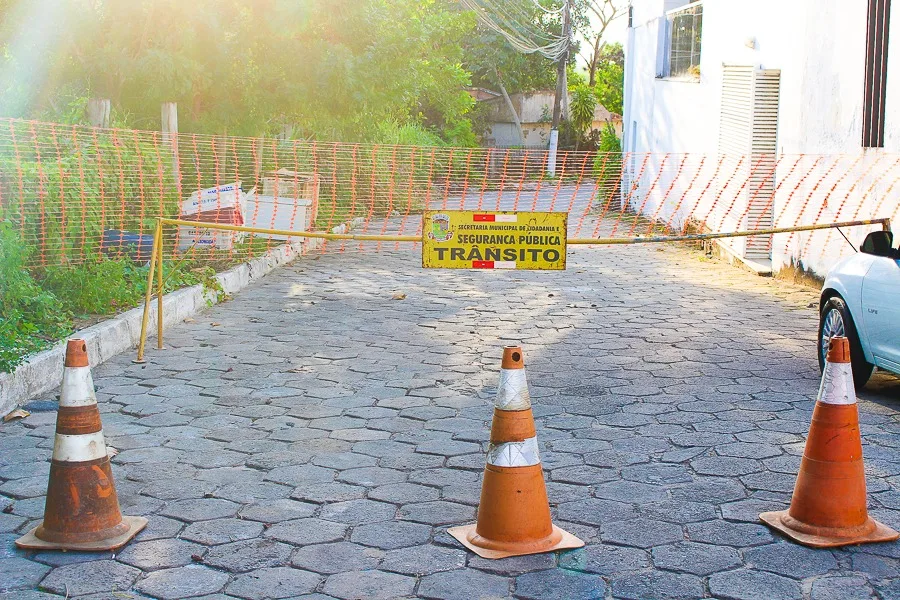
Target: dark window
<point>876,73</point>
<point>684,31</point>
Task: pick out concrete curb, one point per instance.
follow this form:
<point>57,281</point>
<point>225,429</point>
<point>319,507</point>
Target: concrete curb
<point>43,372</point>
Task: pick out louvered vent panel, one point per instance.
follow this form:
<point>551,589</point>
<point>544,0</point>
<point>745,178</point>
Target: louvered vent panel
<point>747,138</point>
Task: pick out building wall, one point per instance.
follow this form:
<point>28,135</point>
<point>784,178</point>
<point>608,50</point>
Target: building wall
<point>819,46</point>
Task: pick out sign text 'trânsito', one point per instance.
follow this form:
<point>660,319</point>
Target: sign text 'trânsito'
<point>462,239</point>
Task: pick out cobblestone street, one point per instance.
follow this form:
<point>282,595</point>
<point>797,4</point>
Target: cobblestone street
<point>314,438</point>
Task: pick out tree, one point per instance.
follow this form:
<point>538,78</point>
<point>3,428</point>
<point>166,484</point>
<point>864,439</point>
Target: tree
<point>581,111</point>
<point>335,69</point>
<point>609,82</point>
<point>604,12</point>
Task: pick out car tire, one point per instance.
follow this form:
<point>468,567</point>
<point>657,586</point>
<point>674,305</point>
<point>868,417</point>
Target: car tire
<point>836,317</point>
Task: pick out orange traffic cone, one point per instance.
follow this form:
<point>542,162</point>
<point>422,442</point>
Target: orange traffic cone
<point>828,508</point>
<point>82,509</point>
<point>514,515</point>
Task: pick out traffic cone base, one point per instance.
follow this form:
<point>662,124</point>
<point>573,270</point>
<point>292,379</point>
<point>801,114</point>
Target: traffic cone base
<point>133,525</point>
<point>828,537</point>
<point>559,539</point>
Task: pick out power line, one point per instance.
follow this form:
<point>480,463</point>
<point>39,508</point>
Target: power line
<point>526,39</point>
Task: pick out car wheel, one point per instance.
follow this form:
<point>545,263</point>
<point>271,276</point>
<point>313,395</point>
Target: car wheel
<point>835,320</point>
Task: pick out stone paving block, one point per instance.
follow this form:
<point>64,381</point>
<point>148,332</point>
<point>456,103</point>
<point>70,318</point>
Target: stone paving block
<point>559,584</point>
<point>404,493</point>
<point>328,492</point>
<point>463,584</point>
<point>275,511</point>
<point>247,555</point>
<point>23,595</point>
<point>745,584</point>
<point>729,534</point>
<point>698,559</point>
<point>301,475</point>
<point>337,557</point>
<point>630,491</point>
<point>160,554</point>
<point>422,560</point>
<point>221,531</point>
<point>726,466</point>
<point>437,513</point>
<point>875,567</point>
<point>658,585</point>
<point>160,527</point>
<point>202,509</point>
<point>679,511</point>
<point>604,559</point>
<point>596,511</point>
<point>641,533</point>
<point>301,532</point>
<point>344,460</point>
<point>90,577</point>
<point>374,585</point>
<point>20,574</point>
<point>658,474</point>
<point>710,489</point>
<point>389,535</point>
<point>841,588</point>
<point>357,512</point>
<point>372,476</point>
<point>182,582</point>
<point>275,582</point>
<point>583,475</point>
<point>791,560</point>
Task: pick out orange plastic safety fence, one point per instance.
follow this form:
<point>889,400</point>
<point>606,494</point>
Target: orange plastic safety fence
<point>75,194</point>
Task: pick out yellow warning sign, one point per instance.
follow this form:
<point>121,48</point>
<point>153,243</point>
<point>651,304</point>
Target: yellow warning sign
<point>465,239</point>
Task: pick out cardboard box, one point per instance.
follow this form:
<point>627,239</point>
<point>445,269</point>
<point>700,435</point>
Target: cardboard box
<point>202,238</point>
<point>214,198</point>
<point>269,212</point>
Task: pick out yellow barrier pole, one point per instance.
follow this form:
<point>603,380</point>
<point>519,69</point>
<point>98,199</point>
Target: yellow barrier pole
<point>886,225</point>
<point>159,293</point>
<point>713,236</point>
<point>307,234</point>
<point>575,241</point>
<point>157,236</point>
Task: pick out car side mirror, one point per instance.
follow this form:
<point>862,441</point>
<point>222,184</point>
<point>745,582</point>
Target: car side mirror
<point>879,243</point>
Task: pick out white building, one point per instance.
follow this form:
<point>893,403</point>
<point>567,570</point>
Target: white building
<point>534,110</point>
<point>785,108</point>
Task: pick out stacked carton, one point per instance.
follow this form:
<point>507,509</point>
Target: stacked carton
<point>222,204</point>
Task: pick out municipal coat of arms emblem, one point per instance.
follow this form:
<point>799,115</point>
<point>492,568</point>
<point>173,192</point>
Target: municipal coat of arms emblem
<point>440,228</point>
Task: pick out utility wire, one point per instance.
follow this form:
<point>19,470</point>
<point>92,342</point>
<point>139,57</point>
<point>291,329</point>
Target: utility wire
<point>523,38</point>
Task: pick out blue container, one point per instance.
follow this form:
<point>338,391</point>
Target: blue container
<point>136,246</point>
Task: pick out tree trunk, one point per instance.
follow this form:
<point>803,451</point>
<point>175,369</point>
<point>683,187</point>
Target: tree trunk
<point>509,104</point>
<point>98,110</point>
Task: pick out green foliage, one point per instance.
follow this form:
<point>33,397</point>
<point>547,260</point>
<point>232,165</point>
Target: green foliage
<point>31,319</point>
<point>97,287</point>
<point>108,286</point>
<point>610,78</point>
<point>335,69</point>
<point>581,109</point>
<point>608,163</point>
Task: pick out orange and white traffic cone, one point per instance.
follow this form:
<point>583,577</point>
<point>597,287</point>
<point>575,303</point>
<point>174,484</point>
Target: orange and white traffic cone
<point>514,515</point>
<point>82,509</point>
<point>828,507</point>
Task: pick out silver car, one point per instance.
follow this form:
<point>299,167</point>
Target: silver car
<point>861,300</point>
